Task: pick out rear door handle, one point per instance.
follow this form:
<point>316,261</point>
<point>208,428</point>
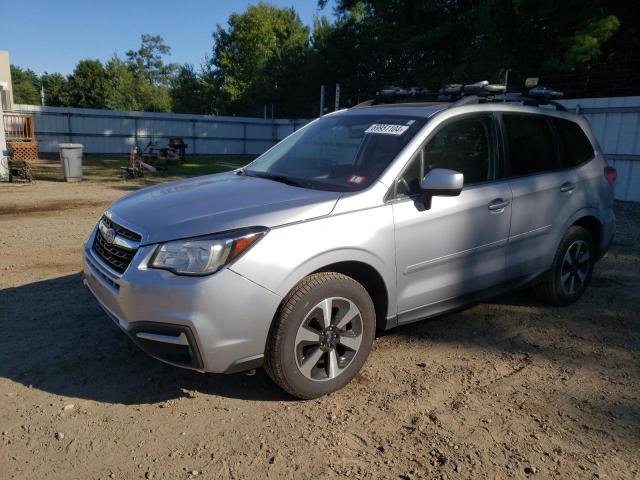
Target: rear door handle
<point>498,204</point>
<point>567,187</point>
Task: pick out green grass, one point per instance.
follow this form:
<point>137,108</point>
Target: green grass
<point>105,168</point>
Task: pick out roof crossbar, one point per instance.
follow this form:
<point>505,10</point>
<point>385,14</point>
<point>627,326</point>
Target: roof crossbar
<point>448,93</point>
<point>459,94</point>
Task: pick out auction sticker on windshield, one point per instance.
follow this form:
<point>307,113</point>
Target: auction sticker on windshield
<point>387,129</point>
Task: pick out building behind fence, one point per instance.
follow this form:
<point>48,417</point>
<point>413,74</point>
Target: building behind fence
<point>615,123</point>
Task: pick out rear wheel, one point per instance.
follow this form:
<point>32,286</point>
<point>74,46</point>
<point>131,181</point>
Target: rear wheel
<point>322,335</point>
<point>572,268</point>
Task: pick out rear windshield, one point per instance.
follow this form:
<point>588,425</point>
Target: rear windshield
<point>340,153</point>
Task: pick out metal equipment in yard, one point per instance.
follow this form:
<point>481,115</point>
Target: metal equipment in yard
<point>20,171</point>
<point>174,151</point>
<point>136,166</point>
<point>149,158</point>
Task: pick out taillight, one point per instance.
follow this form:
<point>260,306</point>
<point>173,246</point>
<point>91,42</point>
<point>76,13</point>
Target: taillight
<point>611,174</point>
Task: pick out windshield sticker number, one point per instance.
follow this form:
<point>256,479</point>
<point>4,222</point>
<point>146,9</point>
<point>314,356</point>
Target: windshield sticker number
<point>357,179</point>
<point>386,129</point>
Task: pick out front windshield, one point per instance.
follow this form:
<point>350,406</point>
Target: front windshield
<point>339,153</point>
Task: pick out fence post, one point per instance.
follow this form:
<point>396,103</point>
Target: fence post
<point>244,138</point>
<point>274,131</point>
<point>193,135</point>
<point>5,174</point>
<point>135,130</point>
<point>69,129</point>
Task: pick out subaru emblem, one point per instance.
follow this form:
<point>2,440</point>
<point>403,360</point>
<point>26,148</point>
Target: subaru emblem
<point>109,235</point>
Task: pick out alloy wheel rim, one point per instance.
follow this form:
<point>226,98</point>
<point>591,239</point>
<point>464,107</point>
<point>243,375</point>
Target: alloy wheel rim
<point>575,267</point>
<point>328,339</point>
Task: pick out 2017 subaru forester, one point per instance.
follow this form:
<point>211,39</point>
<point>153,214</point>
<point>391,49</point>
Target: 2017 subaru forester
<point>364,219</point>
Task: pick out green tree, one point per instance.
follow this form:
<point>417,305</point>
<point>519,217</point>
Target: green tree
<point>329,62</point>
<point>433,42</point>
<point>26,86</point>
<point>56,90</point>
<point>190,92</point>
<point>148,61</point>
<point>154,98</point>
<point>126,89</point>
<point>258,59</point>
<point>88,85</point>
<point>123,86</point>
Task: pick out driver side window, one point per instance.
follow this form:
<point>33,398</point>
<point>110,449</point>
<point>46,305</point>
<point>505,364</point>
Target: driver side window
<point>467,145</point>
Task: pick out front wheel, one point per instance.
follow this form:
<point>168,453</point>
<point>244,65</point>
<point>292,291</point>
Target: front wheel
<point>568,277</point>
<point>322,336</point>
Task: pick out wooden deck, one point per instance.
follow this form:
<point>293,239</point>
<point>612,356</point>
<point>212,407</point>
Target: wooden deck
<point>21,136</point>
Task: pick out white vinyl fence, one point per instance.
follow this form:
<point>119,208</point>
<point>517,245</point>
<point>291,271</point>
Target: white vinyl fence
<point>115,132</point>
<point>615,123</point>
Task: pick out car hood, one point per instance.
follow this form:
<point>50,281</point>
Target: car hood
<point>215,203</point>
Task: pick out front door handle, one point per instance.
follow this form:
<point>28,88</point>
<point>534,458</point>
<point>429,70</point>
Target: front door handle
<point>567,187</point>
<point>498,204</point>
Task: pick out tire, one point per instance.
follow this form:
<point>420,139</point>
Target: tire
<point>309,358</point>
<point>569,265</point>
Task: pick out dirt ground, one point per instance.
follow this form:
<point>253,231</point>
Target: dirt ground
<point>507,389</point>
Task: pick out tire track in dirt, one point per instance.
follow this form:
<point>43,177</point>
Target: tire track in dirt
<point>18,209</point>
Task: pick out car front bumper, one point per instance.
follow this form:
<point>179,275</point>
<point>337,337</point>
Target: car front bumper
<point>218,323</point>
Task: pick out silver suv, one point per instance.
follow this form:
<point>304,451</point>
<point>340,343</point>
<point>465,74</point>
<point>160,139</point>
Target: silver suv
<point>364,219</point>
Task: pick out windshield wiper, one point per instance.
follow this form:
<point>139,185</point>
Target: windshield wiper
<point>280,178</point>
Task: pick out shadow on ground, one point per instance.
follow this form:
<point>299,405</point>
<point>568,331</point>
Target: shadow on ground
<point>62,342</point>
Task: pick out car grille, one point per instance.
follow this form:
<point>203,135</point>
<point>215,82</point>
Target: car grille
<point>115,256</point>
<point>121,231</point>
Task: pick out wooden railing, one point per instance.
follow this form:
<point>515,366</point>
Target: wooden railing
<point>19,127</point>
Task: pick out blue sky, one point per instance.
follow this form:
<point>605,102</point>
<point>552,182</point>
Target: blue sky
<point>51,36</point>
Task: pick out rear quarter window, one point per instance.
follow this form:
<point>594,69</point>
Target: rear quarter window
<point>575,146</point>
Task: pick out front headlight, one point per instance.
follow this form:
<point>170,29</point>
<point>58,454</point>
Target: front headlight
<point>205,255</point>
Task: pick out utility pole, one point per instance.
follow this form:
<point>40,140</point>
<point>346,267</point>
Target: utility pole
<point>4,152</point>
<point>41,90</point>
<point>337,104</point>
<point>321,100</point>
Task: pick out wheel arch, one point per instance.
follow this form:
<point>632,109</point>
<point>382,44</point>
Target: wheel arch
<point>586,218</point>
<point>370,279</point>
<point>592,225</point>
<point>368,275</point>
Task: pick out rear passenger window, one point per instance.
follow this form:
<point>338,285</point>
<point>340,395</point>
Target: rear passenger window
<point>530,143</point>
<point>576,147</point>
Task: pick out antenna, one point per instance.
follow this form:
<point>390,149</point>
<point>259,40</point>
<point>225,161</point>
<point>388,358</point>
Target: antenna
<point>506,81</point>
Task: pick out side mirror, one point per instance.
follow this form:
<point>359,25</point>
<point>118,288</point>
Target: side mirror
<point>441,182</point>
